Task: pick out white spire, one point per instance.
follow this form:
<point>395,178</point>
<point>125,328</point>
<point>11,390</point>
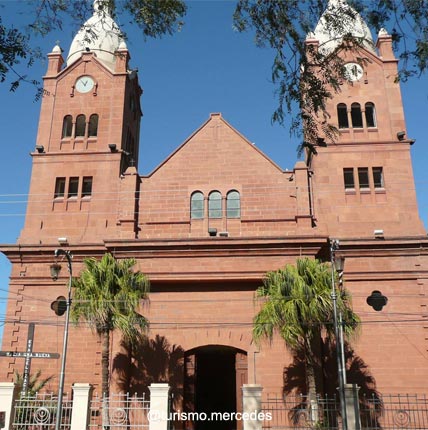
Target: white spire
<point>99,34</point>
<point>338,20</point>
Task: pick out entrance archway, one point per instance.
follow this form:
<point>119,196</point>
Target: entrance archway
<point>214,375</point>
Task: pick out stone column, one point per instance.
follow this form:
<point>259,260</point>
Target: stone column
<point>352,406</point>
<point>82,394</point>
<point>159,406</point>
<point>8,393</point>
<point>252,406</point>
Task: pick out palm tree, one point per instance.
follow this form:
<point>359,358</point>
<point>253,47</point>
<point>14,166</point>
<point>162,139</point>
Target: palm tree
<point>35,382</point>
<point>107,295</point>
<point>298,306</point>
<point>27,405</point>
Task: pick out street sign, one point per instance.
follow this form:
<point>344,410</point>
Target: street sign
<point>21,354</point>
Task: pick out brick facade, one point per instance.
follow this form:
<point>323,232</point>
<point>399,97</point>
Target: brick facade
<point>203,286</point>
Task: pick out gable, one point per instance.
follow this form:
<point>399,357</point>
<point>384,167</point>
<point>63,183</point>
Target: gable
<point>216,151</point>
<point>218,161</point>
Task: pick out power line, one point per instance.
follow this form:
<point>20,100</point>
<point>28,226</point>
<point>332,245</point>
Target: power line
<point>56,322</point>
<point>244,190</point>
<point>256,301</point>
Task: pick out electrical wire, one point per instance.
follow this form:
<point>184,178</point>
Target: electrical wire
<point>56,322</point>
<point>153,300</point>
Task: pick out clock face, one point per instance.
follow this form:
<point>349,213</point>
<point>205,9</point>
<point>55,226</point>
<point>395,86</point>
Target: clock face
<point>354,72</point>
<point>84,84</point>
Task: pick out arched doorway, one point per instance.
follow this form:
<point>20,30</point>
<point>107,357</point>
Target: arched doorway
<point>214,375</point>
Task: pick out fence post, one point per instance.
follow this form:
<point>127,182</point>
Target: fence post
<point>82,394</point>
<point>159,406</point>
<point>8,393</point>
<point>352,406</point>
<point>252,406</point>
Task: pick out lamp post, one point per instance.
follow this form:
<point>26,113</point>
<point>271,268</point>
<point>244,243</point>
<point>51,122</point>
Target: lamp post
<point>336,265</point>
<point>339,263</point>
<point>55,269</point>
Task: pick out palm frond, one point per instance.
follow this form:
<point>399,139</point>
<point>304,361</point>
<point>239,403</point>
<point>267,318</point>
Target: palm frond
<point>298,304</point>
<point>107,295</point>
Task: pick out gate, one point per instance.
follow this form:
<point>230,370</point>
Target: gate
<point>126,412</point>
<point>394,412</point>
<point>298,412</point>
<point>38,412</point>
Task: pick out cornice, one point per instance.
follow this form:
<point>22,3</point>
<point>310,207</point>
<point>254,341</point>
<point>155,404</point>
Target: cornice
<point>164,248</point>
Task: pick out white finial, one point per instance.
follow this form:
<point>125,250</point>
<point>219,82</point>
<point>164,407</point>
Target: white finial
<point>122,45</point>
<point>336,4</point>
<point>102,6</point>
<point>310,35</point>
<point>57,49</point>
<point>383,32</point>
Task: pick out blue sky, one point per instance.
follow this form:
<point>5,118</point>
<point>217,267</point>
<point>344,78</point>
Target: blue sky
<point>207,67</point>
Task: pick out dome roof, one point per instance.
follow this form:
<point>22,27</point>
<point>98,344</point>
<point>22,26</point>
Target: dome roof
<point>99,34</point>
<point>330,34</point>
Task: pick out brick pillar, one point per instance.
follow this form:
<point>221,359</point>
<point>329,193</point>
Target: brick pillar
<point>8,393</point>
<point>82,394</point>
<point>303,215</point>
<point>352,406</point>
<point>159,406</point>
<point>252,405</point>
<point>128,204</point>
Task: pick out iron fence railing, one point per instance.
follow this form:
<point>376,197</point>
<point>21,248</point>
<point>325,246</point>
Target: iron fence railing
<point>38,412</point>
<point>125,412</point>
<point>394,412</point>
<point>130,412</point>
<point>298,412</point>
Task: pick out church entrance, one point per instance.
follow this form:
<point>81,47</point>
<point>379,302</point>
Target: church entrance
<point>214,375</point>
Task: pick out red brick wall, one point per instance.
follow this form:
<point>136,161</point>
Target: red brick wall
<point>357,213</point>
<point>84,219</point>
<point>203,286</point>
<point>217,158</point>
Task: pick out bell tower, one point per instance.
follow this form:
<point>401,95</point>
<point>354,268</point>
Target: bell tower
<point>84,178</point>
<point>363,182</point>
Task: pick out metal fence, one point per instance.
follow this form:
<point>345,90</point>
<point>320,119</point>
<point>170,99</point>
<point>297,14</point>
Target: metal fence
<point>379,412</point>
<point>39,412</point>
<point>298,412</point>
<point>390,412</point>
<point>125,412</point>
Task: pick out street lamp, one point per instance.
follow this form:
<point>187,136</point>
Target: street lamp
<point>55,269</point>
<point>337,266</point>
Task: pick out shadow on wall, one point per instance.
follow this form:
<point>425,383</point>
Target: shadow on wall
<point>371,405</point>
<point>152,361</point>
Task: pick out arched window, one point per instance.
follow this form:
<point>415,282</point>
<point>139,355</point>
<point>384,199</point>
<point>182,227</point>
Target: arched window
<point>93,125</point>
<point>67,126</point>
<point>197,205</point>
<point>233,204</point>
<point>356,115</point>
<point>214,205</point>
<point>80,126</point>
<point>370,114</point>
<point>342,115</point>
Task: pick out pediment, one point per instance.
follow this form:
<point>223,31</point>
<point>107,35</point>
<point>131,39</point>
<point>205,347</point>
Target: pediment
<point>217,147</point>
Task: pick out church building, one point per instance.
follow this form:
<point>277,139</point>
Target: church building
<point>208,223</point>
